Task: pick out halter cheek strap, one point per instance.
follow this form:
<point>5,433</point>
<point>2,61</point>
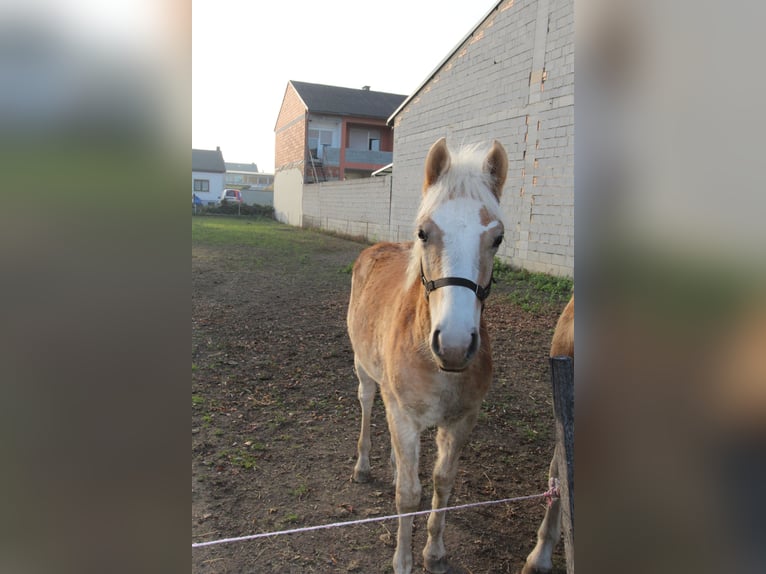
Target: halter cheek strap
<point>481,292</point>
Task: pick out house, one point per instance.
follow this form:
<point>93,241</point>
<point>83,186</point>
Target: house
<point>257,188</point>
<point>328,133</point>
<point>337,133</point>
<point>208,174</point>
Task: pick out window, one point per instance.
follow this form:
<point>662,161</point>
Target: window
<point>202,185</point>
<point>363,139</point>
<point>318,140</point>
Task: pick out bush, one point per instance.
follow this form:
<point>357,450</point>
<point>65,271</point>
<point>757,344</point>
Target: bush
<point>227,208</point>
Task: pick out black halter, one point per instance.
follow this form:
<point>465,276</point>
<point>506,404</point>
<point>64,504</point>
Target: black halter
<point>481,292</point>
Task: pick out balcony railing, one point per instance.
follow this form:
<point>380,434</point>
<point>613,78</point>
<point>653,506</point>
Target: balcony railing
<point>332,156</point>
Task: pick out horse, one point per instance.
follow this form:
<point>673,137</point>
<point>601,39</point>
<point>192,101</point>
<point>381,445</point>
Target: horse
<point>418,333</point>
<point>539,561</point>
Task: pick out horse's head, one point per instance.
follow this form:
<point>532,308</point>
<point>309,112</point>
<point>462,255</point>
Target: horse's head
<point>458,231</point>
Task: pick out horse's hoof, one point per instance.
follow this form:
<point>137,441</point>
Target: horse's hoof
<point>361,476</point>
<point>436,565</point>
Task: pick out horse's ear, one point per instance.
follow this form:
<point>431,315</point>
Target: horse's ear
<point>437,162</point>
<point>496,165</point>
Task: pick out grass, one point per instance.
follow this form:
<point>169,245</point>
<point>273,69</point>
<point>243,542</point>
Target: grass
<point>255,232</point>
<point>300,491</point>
<point>533,292</point>
<point>240,457</point>
<point>260,243</point>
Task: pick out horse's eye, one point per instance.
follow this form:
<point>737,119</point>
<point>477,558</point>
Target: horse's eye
<point>422,235</point>
<point>498,241</point>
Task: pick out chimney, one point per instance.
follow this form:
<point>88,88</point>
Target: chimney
<point>217,148</point>
<point>366,88</point>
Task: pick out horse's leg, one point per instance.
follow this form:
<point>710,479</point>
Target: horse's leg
<point>393,461</point>
<point>405,440</point>
<point>366,396</point>
<point>539,560</point>
<point>449,441</point>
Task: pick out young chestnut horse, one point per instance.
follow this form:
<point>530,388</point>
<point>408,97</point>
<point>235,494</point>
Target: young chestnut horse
<point>539,560</point>
<point>416,326</point>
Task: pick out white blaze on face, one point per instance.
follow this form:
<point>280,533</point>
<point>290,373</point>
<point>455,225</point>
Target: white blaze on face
<point>456,310</point>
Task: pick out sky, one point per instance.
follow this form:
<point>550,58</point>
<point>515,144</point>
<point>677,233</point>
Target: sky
<point>245,52</point>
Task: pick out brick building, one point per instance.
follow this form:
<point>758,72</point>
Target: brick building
<point>334,133</point>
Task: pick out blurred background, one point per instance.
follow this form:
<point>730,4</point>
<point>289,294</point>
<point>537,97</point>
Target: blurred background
<point>94,143</point>
<point>669,274</point>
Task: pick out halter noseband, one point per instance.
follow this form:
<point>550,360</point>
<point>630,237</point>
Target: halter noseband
<point>481,292</point>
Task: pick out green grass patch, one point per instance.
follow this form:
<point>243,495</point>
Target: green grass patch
<point>258,233</point>
<point>300,491</point>
<point>250,243</point>
<point>533,292</point>
<point>240,457</point>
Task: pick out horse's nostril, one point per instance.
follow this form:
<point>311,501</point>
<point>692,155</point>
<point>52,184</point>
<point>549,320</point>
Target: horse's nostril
<point>435,344</point>
<point>473,346</point>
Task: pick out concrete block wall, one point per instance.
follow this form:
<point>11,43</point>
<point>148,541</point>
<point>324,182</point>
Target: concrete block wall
<point>511,80</point>
<point>357,207</point>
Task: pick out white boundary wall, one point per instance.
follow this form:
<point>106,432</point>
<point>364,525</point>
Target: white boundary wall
<point>359,207</point>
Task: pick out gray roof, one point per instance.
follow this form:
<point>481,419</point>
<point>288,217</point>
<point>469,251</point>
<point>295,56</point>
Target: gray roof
<point>208,160</point>
<point>321,99</point>
<point>247,167</point>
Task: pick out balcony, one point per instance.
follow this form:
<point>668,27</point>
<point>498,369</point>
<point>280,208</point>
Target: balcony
<point>357,156</point>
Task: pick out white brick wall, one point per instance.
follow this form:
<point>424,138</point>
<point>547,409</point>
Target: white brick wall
<point>483,92</point>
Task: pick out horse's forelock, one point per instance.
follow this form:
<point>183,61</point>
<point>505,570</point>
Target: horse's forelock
<point>465,177</point>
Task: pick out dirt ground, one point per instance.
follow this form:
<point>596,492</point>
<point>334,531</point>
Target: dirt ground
<point>275,421</point>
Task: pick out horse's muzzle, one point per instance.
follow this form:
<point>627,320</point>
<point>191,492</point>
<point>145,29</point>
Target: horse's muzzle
<point>453,355</point>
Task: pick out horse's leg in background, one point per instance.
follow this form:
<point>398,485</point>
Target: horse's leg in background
<point>539,560</point>
<point>367,386</point>
<point>449,441</point>
<point>405,440</point>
